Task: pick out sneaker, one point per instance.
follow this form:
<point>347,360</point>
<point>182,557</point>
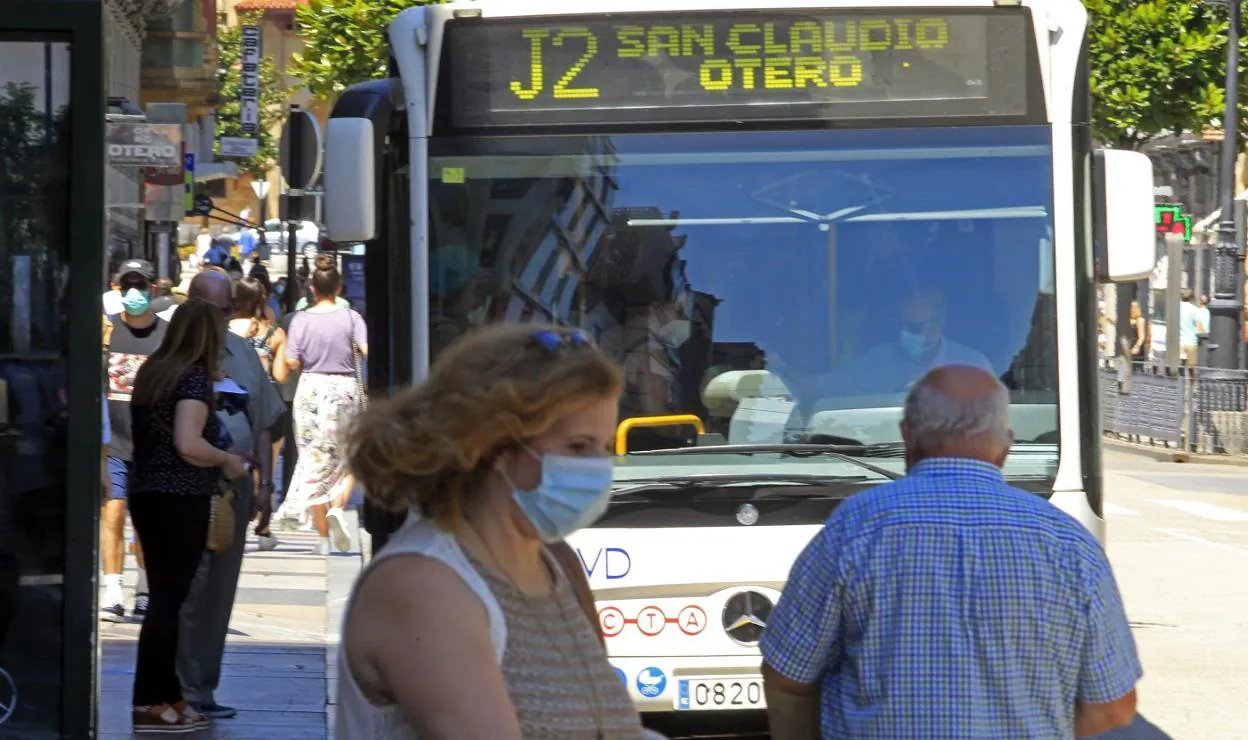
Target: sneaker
<point>285,524</point>
<point>140,608</point>
<point>266,542</point>
<point>114,612</point>
<point>321,547</point>
<point>339,534</point>
<point>214,710</point>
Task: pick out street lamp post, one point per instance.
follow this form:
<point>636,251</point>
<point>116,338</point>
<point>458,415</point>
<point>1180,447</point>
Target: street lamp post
<point>1226,304</point>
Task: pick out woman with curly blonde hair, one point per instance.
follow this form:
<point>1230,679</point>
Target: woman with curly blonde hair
<point>473,622</point>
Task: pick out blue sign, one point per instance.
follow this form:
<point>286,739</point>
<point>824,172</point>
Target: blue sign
<point>651,682</point>
<point>623,676</point>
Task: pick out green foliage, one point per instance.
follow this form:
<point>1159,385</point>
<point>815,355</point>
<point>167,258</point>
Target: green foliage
<point>1157,67</point>
<point>345,42</point>
<point>272,96</point>
<point>24,150</point>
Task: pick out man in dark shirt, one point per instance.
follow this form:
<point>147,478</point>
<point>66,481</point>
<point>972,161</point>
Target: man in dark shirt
<point>129,338</point>
<point>164,295</point>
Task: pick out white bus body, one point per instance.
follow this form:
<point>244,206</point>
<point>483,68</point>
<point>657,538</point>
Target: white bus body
<point>789,221</point>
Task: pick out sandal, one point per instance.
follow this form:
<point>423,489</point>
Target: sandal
<point>166,719</point>
<point>185,709</point>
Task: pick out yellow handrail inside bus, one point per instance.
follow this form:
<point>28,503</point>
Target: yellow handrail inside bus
<point>626,426</point>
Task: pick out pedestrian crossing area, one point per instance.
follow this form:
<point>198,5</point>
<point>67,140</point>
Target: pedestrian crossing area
<point>1199,509</point>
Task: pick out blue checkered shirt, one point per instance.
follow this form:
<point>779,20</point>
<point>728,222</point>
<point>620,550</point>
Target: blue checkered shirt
<point>952,606</point>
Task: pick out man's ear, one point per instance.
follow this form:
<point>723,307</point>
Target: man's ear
<point>1005,450</point>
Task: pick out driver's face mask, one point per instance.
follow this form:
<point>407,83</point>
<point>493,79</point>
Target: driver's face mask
<point>918,338</point>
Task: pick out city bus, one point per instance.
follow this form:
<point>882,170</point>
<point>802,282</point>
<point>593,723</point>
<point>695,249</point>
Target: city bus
<point>775,216</point>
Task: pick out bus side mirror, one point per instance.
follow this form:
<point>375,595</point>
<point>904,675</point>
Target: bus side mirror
<point>350,180</point>
<point>1122,199</point>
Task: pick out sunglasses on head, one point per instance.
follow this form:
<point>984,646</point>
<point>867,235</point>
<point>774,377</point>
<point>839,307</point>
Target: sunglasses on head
<point>553,341</point>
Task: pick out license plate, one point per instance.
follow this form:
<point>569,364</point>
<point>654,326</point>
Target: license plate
<point>705,694</point>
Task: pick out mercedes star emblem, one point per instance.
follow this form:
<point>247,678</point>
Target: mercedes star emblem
<point>8,696</point>
<point>745,615</point>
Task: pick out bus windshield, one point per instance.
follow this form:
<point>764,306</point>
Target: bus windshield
<point>779,287</point>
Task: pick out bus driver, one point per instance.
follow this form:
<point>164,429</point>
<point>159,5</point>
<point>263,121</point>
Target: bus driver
<point>895,365</point>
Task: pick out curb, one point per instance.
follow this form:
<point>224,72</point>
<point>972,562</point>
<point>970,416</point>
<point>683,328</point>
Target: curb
<point>341,571</point>
<point>1162,454</point>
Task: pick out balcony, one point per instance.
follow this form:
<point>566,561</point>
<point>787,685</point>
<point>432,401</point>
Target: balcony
<point>179,54</point>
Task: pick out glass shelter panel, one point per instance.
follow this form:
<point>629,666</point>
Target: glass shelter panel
<point>34,206</point>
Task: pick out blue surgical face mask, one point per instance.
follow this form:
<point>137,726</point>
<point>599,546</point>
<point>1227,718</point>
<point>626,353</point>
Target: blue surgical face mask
<point>279,289</point>
<point>574,493</point>
<point>914,345</point>
<point>135,302</point>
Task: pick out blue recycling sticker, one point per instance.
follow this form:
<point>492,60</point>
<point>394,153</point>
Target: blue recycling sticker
<point>623,676</point>
<point>651,682</point>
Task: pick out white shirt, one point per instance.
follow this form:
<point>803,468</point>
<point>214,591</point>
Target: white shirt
<point>112,303</point>
<point>886,368</point>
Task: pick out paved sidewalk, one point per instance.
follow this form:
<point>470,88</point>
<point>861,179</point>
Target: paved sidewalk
<point>279,666</point>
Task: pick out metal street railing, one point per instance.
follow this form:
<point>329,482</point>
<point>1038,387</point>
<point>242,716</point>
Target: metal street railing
<point>1196,409</point>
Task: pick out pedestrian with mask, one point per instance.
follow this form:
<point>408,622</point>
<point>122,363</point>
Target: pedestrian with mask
<point>499,455</point>
<point>205,616</point>
<point>130,337</point>
<point>950,604</point>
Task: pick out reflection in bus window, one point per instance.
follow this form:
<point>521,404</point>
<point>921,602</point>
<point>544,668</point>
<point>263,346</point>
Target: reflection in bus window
<point>781,287</point>
<point>35,136</point>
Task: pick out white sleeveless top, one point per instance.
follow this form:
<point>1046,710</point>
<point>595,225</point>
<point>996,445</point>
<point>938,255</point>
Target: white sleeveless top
<point>357,717</point>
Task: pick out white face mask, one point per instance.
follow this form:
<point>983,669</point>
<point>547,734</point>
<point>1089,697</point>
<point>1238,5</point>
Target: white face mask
<point>574,492</point>
<point>915,345</point>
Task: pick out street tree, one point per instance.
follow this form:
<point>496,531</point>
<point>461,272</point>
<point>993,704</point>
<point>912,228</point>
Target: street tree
<point>1157,67</point>
<point>344,43</point>
<point>229,80</point>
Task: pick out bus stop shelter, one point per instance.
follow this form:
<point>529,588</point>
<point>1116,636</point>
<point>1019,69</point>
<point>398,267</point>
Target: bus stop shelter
<point>52,106</point>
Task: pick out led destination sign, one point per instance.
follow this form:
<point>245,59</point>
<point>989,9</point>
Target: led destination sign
<point>704,66</point>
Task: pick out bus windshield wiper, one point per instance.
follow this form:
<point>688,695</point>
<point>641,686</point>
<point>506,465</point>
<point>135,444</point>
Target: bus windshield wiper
<point>844,453</point>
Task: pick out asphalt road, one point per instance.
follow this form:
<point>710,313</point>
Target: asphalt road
<point>1178,540</point>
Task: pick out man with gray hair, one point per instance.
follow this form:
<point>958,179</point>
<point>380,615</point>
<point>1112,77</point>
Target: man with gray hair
<point>205,616</point>
<point>950,604</point>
